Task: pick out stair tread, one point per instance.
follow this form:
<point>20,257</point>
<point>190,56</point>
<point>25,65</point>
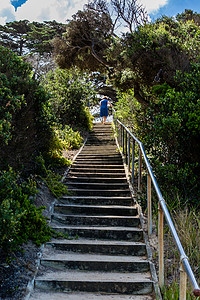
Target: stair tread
<point>94,216</point>
<point>95,242</point>
<point>99,206</point>
<point>68,256</point>
<point>85,296</point>
<point>71,275</point>
<point>97,197</point>
<point>103,228</point>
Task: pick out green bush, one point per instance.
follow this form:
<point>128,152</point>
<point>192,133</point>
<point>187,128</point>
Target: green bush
<point>24,113</point>
<point>20,220</point>
<point>52,180</point>
<point>70,92</point>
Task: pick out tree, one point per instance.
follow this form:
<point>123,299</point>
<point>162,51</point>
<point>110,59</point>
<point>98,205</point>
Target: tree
<point>131,12</point>
<point>24,37</point>
<point>14,35</point>
<point>91,33</point>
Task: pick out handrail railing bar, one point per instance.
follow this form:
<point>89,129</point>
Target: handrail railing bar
<point>166,213</point>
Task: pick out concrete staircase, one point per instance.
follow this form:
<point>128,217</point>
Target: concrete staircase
<point>108,260</point>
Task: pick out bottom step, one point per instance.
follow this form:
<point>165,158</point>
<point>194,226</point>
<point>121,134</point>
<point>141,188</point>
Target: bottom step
<point>123,283</point>
<point>86,296</point>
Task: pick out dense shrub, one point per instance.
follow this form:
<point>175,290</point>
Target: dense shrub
<point>170,128</point>
<point>70,93</point>
<point>24,122</point>
<point>171,133</point>
<point>20,219</point>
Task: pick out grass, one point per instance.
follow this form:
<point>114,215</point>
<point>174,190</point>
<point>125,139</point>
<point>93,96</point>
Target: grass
<point>187,225</point>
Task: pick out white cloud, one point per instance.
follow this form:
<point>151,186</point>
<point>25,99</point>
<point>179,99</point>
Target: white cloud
<point>59,10</point>
<point>153,5</point>
<point>3,20</point>
<point>43,10</point>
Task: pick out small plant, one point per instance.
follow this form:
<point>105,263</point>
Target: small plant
<point>52,180</point>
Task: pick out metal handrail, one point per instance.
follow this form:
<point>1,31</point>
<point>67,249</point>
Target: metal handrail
<point>185,267</point>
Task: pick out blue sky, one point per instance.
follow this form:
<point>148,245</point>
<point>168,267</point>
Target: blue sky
<point>173,7</point>
<point>61,10</point>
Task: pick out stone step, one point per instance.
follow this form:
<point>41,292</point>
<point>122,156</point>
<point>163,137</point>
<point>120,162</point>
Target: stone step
<point>86,220</point>
<point>92,200</point>
<point>95,166</point>
<point>97,185</point>
<point>94,170</point>
<point>95,262</point>
<point>104,152</point>
<point>100,149</point>
<point>96,210</point>
<point>101,138</point>
<point>97,162</point>
<point>84,296</point>
<point>96,174</point>
<point>99,247</point>
<point>96,179</point>
<point>109,157</point>
<point>123,283</point>
<point>107,233</point>
<point>101,145</point>
<point>95,192</point>
<point>96,159</point>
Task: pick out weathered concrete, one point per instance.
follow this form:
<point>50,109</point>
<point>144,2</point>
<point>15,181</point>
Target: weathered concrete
<point>108,260</point>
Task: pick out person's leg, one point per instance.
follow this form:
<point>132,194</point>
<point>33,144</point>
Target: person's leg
<point>104,119</point>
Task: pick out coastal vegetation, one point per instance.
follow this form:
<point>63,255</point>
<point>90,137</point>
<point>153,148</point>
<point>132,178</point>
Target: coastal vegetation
<point>154,69</point>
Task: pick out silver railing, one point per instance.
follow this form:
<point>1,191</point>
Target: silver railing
<point>127,141</point>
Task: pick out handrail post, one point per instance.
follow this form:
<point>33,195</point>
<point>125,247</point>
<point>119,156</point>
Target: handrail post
<point>129,151</point>
<point>160,245</point>
<point>149,209</point>
<point>139,170</point>
<point>133,160</point>
<point>183,282</point>
<point>126,147</point>
<point>123,139</point>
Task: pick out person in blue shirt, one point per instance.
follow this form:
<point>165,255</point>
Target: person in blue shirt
<point>104,109</point>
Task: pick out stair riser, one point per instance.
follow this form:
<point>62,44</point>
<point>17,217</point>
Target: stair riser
<point>107,175</point>
<point>96,186</point>
<point>135,236</point>
<point>85,201</point>
<point>110,193</point>
<point>102,266</point>
<point>133,288</point>
<point>138,250</point>
<point>96,163</point>
<point>95,211</point>
<point>97,167</point>
<point>96,170</point>
<point>107,156</point>
<point>98,180</point>
<point>95,221</point>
